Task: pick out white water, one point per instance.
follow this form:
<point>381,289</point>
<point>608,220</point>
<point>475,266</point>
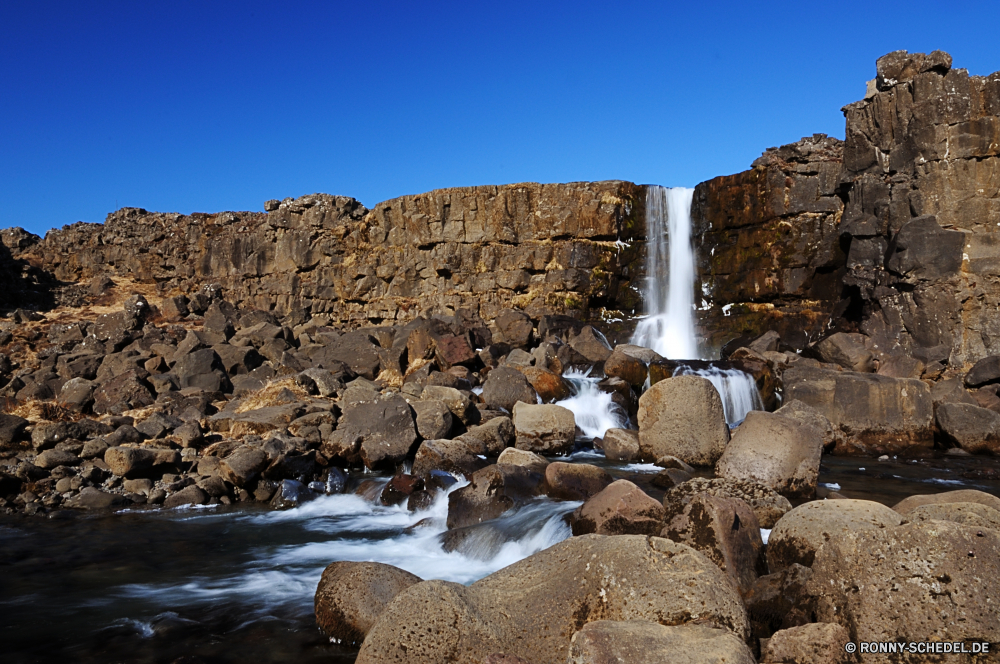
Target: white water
<point>669,325</point>
<point>736,388</point>
<point>593,408</point>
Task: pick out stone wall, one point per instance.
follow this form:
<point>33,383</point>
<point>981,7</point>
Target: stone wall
<point>542,248</point>
<point>768,246</point>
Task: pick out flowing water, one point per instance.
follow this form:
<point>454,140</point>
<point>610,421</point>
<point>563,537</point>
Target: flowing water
<point>736,388</point>
<point>593,408</point>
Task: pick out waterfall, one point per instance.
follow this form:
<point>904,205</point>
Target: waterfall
<point>737,389</point>
<point>669,324</point>
<point>593,408</point>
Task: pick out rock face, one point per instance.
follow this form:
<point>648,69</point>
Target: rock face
<point>877,414</point>
<point>642,642</point>
<point>778,452</point>
<point>682,417</point>
<point>577,581</point>
<point>351,596</point>
<point>926,581</point>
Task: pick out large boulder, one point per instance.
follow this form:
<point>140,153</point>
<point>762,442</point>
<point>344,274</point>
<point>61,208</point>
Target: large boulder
<point>629,365</point>
<point>530,460</point>
<point>907,505</point>
<point>682,417</point>
<point>379,433</point>
<point>452,456</point>
<point>972,428</point>
<point>544,428</point>
<point>726,531</point>
<point>969,514</point>
<point>776,451</point>
<point>433,419</point>
<point>549,385</point>
<point>800,533</point>
<point>768,505</point>
<point>244,465</point>
<point>351,596</point>
<point>11,429</point>
<point>135,461</point>
<point>621,508</point>
<point>514,328</point>
<point>505,386</point>
<point>582,579</point>
<point>778,601</point>
<point>644,642</point>
<point>923,581</point>
<point>122,392</point>
<point>878,414</point>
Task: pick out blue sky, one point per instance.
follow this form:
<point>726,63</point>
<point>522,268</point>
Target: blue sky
<point>202,106</point>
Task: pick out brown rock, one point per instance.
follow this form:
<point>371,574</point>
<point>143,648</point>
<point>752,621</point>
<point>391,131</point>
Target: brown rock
<point>351,596</point>
<point>816,643</point>
<point>243,466</point>
<point>907,505</point>
<point>491,492</point>
<point>191,495</point>
<point>778,601</point>
<point>621,508</point>
<point>549,386</point>
<point>627,367</point>
<point>766,504</point>
<point>621,444</point>
<point>575,481</point>
<point>515,457</point>
<point>682,417</point>
<point>505,386</point>
<point>974,515</point>
<point>643,642</point>
<point>544,428</point>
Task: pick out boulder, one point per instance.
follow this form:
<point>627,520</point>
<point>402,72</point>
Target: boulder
<point>621,444</point>
<point>243,466</point>
<point>682,417</point>
<point>506,386</point>
<point>846,350</point>
<point>974,515</point>
<point>806,414</point>
<point>726,531</point>
<point>458,403</point>
<point>49,459</point>
<point>491,492</point>
<point>379,433</point>
<point>452,456</point>
<point>778,601</point>
<point>907,505</point>
<point>202,369</point>
<point>923,581</point>
<point>592,345</point>
<point>491,438</point>
<point>120,393</point>
<point>901,366</point>
<point>644,642</point>
<point>815,643</point>
<point>352,595</point>
<point>91,498</point>
<point>768,505</point>
<point>800,533</point>
<point>878,414</point>
<point>433,419</point>
<point>515,457</point>
<point>400,488</point>
<point>779,452</point>
<point>548,385</point>
<point>191,495</point>
<point>625,365</point>
<point>984,372</point>
<point>291,493</point>
<point>972,428</point>
<point>582,579</point>
<point>621,508</point>
<point>11,429</point>
<point>575,481</point>
<point>544,428</point>
<point>132,461</point>
<point>514,328</point>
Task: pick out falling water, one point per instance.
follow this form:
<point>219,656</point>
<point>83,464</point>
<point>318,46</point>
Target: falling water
<point>669,324</point>
<point>592,407</point>
<point>737,389</point>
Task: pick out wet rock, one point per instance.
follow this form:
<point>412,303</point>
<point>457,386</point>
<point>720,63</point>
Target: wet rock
<point>191,495</point>
<point>563,587</point>
<point>400,488</point>
<point>452,456</point>
<point>768,505</point>
<point>682,417</point>
<point>846,350</point>
<point>351,596</point>
<point>548,385</point>
<point>91,498</point>
<point>984,372</point>
<point>644,642</point>
<point>907,505</point>
<point>378,433</point>
<point>506,386</point>
<point>621,508</point>
<point>291,493</point>
<point>777,601</point>
<point>972,428</point>
<point>491,492</point>
<point>923,581</point>
<point>778,452</point>
<point>800,533</point>
<point>575,481</point>
<point>621,444</point>
<point>515,457</point>
<point>544,428</point>
<point>726,531</point>
<point>974,515</point>
<point>433,419</point>
<point>243,465</point>
<point>815,643</point>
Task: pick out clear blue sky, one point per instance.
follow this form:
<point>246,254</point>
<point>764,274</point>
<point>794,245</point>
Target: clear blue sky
<point>203,106</point>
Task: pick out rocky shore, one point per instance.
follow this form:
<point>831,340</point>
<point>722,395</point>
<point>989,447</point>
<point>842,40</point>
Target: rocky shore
<point>164,361</point>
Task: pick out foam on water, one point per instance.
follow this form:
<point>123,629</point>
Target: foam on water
<point>593,409</point>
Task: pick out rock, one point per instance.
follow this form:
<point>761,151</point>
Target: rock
<point>592,345</point>
<point>548,385</point>
<point>433,419</point>
<point>907,505</point>
<point>506,386</point>
<point>491,492</point>
<point>49,459</point>
<point>515,457</point>
<point>669,478</point>
<point>847,350</point>
<point>452,456</point>
<point>767,505</point>
<point>621,508</point>
<point>400,488</point>
<point>379,433</point>
<point>984,372</point>
<point>191,495</point>
<point>243,465</point>
<point>778,452</point>
<point>575,481</point>
<point>816,643</point>
<point>800,533</point>
<point>459,404</point>
<point>90,498</point>
<point>901,366</point>
<point>202,369</point>
<point>11,429</point>
<point>351,596</point>
<point>644,642</point>
<point>682,417</point>
<point>777,601</point>
<point>544,428</point>
<point>514,328</point>
<point>974,515</point>
<point>726,531</point>
<point>77,394</point>
<point>972,428</point>
<point>491,438</point>
<point>923,581</point>
<point>123,392</point>
<point>878,414</point>
<point>626,366</point>
<point>291,493</point>
<point>621,444</point>
<point>327,384</point>
<point>562,587</point>
<point>806,414</point>
<point>131,461</point>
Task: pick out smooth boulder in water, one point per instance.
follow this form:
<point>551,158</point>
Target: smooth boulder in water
<point>682,417</point>
<point>352,595</point>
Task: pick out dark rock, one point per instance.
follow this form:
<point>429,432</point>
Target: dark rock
<point>124,392</point>
<point>351,596</point>
<point>775,601</point>
<point>506,386</point>
<point>514,328</point>
<point>378,433</point>
<point>91,498</point>
<point>592,345</point>
<point>11,429</point>
<point>575,481</point>
<point>491,492</point>
<point>972,428</point>
<point>400,488</point>
<point>767,505</point>
<point>452,456</point>
<point>243,466</point>
<point>621,508</point>
<point>52,458</point>
<point>291,493</point>
<point>191,495</point>
<point>847,350</point>
<point>984,372</point>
